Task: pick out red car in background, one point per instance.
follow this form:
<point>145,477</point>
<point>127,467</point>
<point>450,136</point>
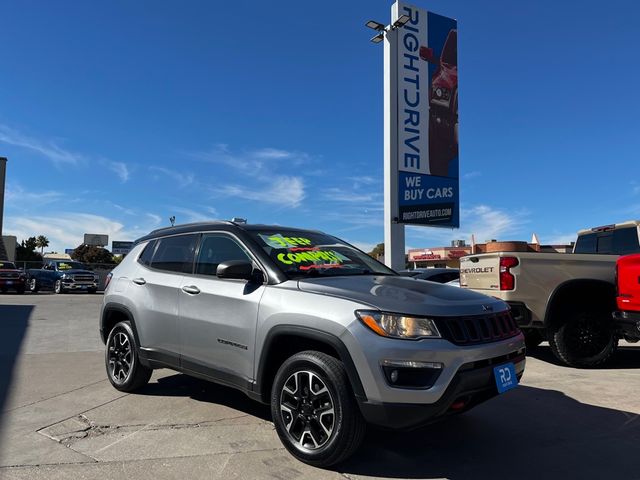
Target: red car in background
<point>11,278</point>
<point>627,317</point>
<point>443,105</point>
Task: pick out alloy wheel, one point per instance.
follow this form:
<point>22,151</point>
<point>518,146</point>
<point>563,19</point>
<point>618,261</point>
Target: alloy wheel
<point>307,410</point>
<point>119,357</point>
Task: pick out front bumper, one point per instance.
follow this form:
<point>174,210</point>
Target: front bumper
<point>627,323</point>
<point>79,286</point>
<point>12,283</point>
<point>473,384</point>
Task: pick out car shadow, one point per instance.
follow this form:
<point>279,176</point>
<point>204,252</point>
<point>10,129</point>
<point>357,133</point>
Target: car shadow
<point>626,356</point>
<point>14,321</point>
<point>527,433</point>
<point>181,385</point>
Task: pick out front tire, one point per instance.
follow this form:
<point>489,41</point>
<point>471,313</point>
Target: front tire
<point>33,286</point>
<point>314,410</point>
<point>124,369</point>
<point>58,288</point>
<point>586,339</point>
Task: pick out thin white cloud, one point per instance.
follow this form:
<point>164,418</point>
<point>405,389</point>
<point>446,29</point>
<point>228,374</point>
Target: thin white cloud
<point>66,229</point>
<point>470,175</point>
<point>48,149</point>
<point>256,163</point>
<point>481,221</point>
<point>17,196</point>
<point>272,153</point>
<point>187,215</point>
<point>156,219</point>
<point>283,191</point>
<point>349,196</point>
<point>182,179</point>
<point>120,169</point>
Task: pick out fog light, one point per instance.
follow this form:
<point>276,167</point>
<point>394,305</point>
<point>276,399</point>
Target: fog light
<point>411,374</point>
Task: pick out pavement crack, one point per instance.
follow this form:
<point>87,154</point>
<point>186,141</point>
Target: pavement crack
<point>53,396</point>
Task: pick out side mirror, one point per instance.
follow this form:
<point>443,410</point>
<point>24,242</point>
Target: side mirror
<point>426,54</point>
<point>235,269</point>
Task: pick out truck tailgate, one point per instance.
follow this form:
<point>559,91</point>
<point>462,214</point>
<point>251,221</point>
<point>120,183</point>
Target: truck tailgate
<point>480,272</point>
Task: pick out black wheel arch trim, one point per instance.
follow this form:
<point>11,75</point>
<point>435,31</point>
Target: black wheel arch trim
<point>116,307</point>
<point>312,334</point>
<point>571,283</point>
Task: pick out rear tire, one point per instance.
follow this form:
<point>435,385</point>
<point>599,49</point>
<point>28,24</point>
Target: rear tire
<point>314,410</point>
<point>586,339</point>
<point>124,369</point>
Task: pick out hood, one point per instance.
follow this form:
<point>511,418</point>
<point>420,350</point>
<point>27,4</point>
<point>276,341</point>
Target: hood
<point>405,295</point>
<point>77,271</point>
<point>446,77</point>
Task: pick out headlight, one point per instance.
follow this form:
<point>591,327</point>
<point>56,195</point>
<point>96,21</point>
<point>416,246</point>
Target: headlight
<point>398,326</point>
<point>440,93</point>
<point>64,276</point>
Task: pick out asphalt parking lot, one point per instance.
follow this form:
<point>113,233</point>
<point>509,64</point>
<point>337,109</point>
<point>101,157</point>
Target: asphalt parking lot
<point>62,419</point>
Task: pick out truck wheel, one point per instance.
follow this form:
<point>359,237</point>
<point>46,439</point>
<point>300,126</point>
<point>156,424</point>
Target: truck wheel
<point>33,286</point>
<point>586,339</point>
<point>314,411</point>
<point>124,369</point>
<point>57,287</point>
<point>532,338</point>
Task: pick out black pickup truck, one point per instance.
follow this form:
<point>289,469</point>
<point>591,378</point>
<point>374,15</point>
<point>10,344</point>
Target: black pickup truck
<point>62,276</point>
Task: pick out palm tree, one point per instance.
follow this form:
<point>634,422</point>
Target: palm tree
<point>42,241</point>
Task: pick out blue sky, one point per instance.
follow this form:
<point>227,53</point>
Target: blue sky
<point>116,115</point>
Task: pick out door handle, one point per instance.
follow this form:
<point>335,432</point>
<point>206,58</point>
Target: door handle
<point>192,289</point>
<point>139,281</point>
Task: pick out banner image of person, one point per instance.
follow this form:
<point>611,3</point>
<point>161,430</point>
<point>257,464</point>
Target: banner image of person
<point>428,164</point>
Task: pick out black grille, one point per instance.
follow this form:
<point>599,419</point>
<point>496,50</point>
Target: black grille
<point>477,329</point>
<point>83,278</point>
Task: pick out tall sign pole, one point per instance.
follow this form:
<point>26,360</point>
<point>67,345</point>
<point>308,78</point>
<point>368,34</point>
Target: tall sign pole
<point>3,170</point>
<point>393,230</point>
<point>420,124</point>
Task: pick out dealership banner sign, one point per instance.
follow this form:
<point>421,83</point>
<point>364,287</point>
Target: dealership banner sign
<point>427,126</point>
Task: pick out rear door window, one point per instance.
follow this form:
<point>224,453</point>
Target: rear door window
<point>175,254</point>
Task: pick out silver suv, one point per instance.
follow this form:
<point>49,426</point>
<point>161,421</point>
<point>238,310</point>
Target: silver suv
<point>301,320</point>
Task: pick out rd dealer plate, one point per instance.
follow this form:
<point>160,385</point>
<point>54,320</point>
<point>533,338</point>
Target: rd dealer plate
<point>506,378</point>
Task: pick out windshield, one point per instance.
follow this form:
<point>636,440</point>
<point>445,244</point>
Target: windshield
<point>7,266</point>
<point>450,50</point>
<point>301,254</point>
<point>71,266</point>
